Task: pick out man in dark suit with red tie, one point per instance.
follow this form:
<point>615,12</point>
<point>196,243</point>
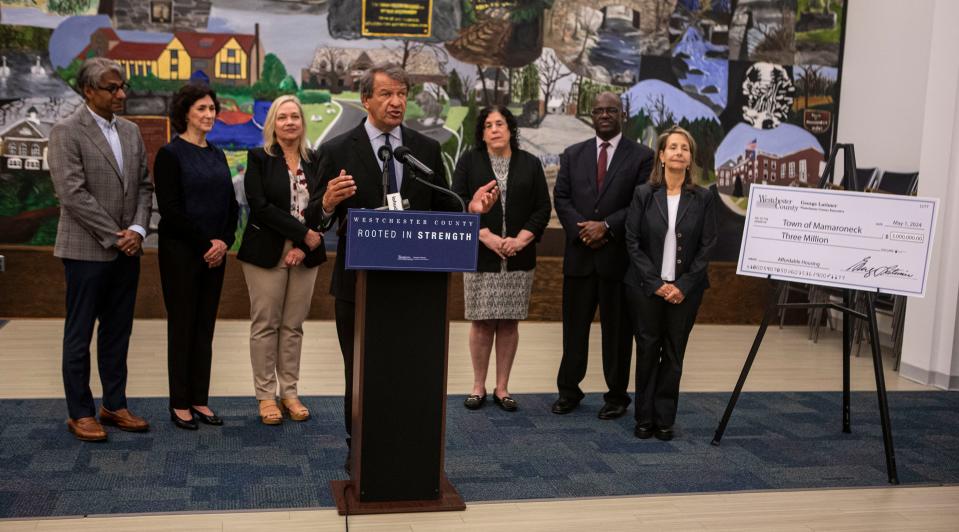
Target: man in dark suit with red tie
<point>352,178</point>
<point>593,190</point>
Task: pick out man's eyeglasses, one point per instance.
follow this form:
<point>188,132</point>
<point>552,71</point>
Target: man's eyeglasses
<point>600,111</point>
<point>112,89</point>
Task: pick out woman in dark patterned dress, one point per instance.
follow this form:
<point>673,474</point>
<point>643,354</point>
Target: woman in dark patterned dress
<point>497,295</point>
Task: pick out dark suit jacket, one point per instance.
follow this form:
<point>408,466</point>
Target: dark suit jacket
<point>267,185</point>
<point>577,200</point>
<point>646,225</point>
<point>353,152</point>
<point>527,203</point>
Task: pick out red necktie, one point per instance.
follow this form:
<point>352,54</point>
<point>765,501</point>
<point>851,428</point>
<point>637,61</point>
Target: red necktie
<point>601,166</point>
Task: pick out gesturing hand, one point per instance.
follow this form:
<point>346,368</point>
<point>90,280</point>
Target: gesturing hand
<point>338,189</point>
<point>484,198</point>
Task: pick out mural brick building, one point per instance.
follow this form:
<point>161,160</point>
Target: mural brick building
<point>799,168</point>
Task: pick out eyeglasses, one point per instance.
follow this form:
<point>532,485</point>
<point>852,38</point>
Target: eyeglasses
<point>600,111</point>
<point>112,89</point>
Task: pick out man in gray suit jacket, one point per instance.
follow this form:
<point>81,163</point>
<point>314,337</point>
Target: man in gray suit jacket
<point>99,170</point>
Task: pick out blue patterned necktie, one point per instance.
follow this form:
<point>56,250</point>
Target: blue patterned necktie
<point>391,168</point>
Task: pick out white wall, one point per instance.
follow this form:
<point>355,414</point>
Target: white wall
<point>900,107</point>
<point>884,71</point>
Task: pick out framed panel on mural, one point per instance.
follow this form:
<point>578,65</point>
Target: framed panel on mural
<point>410,18</point>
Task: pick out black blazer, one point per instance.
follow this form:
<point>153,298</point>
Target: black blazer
<point>267,185</point>
<point>353,152</point>
<point>646,225</point>
<point>577,200</point>
<point>527,203</point>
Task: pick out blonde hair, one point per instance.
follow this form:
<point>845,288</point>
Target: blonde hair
<point>269,128</point>
<point>657,177</point>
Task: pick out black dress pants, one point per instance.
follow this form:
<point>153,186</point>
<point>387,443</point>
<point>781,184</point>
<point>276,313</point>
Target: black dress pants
<point>581,295</point>
<point>662,331</point>
<point>345,314</point>
<point>191,294</point>
<point>103,292</point>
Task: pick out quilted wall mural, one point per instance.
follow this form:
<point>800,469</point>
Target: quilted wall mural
<point>755,81</point>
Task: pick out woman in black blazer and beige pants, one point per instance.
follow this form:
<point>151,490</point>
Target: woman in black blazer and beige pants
<point>280,251</point>
<point>497,295</point>
<point>670,232</point>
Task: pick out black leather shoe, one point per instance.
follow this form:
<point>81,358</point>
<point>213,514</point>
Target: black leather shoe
<point>475,402</point>
<point>183,423</point>
<point>664,433</point>
<point>212,419</point>
<point>565,405</point>
<point>611,411</point>
<point>506,403</point>
<point>643,431</point>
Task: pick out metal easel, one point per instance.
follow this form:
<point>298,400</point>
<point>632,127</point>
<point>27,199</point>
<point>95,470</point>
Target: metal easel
<point>848,314</point>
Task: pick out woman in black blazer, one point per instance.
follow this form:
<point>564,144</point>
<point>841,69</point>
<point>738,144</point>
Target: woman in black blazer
<point>670,232</point>
<point>280,251</point>
<point>497,295</point>
<point>198,212</point>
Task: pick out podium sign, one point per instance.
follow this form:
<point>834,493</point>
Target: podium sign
<point>411,240</point>
<point>854,240</point>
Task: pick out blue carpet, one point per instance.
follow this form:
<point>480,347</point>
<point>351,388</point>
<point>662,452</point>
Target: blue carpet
<point>775,441</point>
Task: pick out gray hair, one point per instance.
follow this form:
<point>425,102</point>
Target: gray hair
<point>393,71</point>
<point>92,71</point>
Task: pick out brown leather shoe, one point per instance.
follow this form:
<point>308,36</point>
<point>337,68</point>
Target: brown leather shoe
<point>86,429</point>
<point>123,419</point>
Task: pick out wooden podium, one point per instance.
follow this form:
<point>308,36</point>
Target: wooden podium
<point>399,395</point>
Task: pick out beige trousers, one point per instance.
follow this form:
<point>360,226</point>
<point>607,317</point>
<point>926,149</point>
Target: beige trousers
<point>279,303</point>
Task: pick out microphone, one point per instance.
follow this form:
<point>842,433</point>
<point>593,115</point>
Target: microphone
<point>384,153</point>
<point>406,156</point>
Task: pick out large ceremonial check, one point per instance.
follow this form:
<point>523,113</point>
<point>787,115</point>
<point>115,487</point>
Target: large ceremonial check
<point>849,240</point>
<point>427,241</point>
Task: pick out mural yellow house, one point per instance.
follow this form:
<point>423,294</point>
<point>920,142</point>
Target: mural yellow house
<point>225,58</point>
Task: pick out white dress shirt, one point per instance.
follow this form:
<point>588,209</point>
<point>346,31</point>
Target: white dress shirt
<point>610,150</point>
<point>109,129</point>
<point>377,140</point>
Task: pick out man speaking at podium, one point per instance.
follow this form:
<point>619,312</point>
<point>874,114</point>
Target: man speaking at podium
<point>352,173</point>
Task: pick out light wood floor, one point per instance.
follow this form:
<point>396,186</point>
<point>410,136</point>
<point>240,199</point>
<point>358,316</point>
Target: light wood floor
<point>30,352</point>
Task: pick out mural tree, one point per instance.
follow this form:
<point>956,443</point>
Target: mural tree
<point>551,71</point>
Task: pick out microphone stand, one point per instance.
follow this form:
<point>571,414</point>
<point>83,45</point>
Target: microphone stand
<point>386,179</point>
<point>414,172</point>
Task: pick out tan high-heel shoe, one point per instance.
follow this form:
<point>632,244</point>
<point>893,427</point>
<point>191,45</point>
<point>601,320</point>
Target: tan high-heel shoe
<point>270,413</point>
<point>295,408</point>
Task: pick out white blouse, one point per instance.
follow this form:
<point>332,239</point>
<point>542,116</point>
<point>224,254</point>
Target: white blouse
<point>668,272</point>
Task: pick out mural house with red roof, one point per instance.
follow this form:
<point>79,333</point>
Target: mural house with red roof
<point>224,58</point>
